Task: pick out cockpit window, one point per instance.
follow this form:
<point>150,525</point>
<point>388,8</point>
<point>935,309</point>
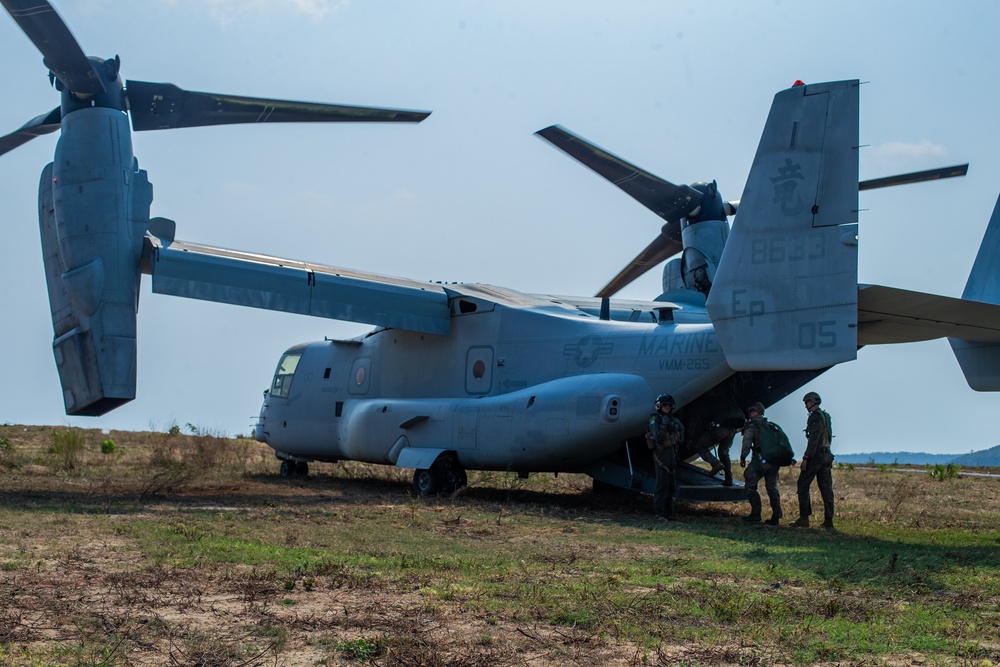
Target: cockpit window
<point>283,376</point>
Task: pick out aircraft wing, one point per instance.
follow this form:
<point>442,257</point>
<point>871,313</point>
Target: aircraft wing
<point>891,315</point>
<point>261,281</point>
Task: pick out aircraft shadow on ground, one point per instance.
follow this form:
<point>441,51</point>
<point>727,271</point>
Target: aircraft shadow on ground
<point>836,556</point>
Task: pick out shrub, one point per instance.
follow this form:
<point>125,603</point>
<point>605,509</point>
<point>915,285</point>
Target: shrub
<point>941,473</point>
<point>108,446</point>
<point>210,451</point>
<point>169,478</point>
<point>7,457</point>
<point>361,649</point>
<point>67,447</point>
<point>902,492</point>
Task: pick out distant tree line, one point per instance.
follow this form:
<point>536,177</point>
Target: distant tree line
<point>984,458</point>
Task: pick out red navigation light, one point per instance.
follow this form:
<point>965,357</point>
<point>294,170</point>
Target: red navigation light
<point>798,82</point>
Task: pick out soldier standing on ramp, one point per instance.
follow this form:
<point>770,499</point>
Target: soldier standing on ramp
<point>664,434</point>
<point>759,468</point>
<point>723,422</point>
<point>817,463</point>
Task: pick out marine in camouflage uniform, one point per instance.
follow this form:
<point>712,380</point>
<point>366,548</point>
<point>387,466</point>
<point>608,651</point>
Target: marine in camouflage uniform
<point>665,432</point>
<point>723,422</point>
<point>817,463</point>
<point>758,470</point>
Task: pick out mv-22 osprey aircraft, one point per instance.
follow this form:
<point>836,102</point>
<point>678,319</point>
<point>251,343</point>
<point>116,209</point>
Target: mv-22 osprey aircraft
<point>464,377</point>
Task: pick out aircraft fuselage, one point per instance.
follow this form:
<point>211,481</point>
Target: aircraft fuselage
<point>511,387</point>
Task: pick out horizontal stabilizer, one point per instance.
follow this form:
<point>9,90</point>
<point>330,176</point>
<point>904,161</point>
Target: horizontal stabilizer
<point>889,315</point>
<point>260,281</point>
<point>980,360</point>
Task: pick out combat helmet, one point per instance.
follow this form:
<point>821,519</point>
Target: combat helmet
<point>758,407</point>
<point>812,396</point>
<point>664,399</point>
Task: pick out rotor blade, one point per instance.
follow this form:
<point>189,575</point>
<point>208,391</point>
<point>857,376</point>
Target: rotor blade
<point>669,201</point>
<point>60,50</point>
<point>159,106</point>
<point>915,177</point>
<point>35,127</point>
<point>662,247</point>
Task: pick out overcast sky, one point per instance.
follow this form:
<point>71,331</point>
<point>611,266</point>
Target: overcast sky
<point>679,88</point>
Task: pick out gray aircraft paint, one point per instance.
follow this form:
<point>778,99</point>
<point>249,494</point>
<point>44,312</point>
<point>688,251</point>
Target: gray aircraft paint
<point>550,399</point>
<point>481,376</point>
<point>785,295</point>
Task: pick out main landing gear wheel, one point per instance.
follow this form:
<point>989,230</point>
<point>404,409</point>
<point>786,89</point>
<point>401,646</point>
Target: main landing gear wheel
<point>294,468</point>
<point>598,487</point>
<point>446,475</point>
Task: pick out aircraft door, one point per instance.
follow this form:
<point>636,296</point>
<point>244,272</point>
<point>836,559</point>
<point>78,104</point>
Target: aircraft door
<point>479,370</point>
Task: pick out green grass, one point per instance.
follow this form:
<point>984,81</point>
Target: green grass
<point>238,565</point>
<point>833,597</point>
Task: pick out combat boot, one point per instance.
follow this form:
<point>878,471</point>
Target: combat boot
<point>774,520</point>
<point>801,522</point>
<point>728,481</point>
<point>828,524</point>
<point>716,469</point>
<point>752,518</point>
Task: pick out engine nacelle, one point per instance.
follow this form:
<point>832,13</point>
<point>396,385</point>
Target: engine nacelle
<point>703,237</point>
<point>703,242</point>
<point>695,269</point>
<point>93,211</point>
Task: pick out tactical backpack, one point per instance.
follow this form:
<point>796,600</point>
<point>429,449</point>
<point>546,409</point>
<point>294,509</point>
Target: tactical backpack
<point>775,448</point>
<point>828,423</point>
<point>826,454</point>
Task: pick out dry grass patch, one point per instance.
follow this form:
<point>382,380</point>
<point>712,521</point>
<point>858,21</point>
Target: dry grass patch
<point>189,549</point>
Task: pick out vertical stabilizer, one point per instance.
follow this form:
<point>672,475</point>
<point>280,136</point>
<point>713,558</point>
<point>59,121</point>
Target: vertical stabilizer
<point>785,294</point>
<point>981,361</point>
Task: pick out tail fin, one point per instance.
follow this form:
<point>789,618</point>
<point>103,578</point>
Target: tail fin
<point>981,361</point>
<point>785,295</point>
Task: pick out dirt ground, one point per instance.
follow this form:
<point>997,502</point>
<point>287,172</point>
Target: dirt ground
<point>70,595</point>
<point>96,600</point>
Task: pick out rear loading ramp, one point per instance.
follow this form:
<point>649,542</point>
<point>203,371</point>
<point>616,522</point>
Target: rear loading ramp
<point>633,470</point>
